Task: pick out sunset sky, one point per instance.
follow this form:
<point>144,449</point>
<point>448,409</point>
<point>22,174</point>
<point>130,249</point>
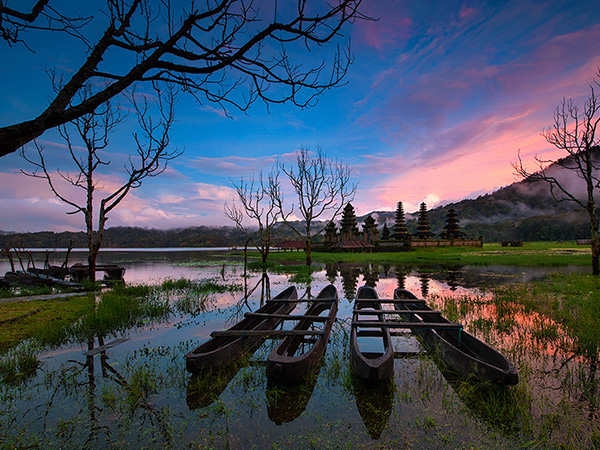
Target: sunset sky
<point>439,100</point>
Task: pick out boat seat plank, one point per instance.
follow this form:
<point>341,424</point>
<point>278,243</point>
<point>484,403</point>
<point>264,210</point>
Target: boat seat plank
<point>390,324</point>
<point>396,301</point>
<point>304,300</point>
<point>287,316</point>
<point>266,333</point>
<point>395,311</point>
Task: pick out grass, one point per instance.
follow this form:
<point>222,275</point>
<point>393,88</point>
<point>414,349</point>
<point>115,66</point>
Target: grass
<point>33,318</point>
<point>531,254</point>
<point>77,319</point>
<point>572,300</point>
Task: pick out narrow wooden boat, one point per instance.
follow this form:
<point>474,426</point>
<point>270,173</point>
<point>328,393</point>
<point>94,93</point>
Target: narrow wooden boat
<point>221,350</point>
<point>292,360</point>
<point>461,352</point>
<point>375,363</point>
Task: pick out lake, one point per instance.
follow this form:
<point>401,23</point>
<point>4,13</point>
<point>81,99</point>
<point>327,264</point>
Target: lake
<point>138,393</point>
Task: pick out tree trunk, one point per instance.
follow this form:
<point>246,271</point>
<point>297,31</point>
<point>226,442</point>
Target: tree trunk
<point>595,239</point>
<point>308,251</point>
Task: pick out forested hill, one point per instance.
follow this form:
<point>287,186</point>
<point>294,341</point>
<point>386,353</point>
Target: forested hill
<point>134,237</point>
<point>130,237</point>
<point>523,210</point>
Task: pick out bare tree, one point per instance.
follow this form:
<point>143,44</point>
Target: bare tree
<point>221,51</point>
<point>322,186</point>
<point>257,204</point>
<point>41,16</point>
<point>94,130</point>
<point>574,132</point>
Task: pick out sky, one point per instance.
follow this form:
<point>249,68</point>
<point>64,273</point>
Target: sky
<point>439,101</point>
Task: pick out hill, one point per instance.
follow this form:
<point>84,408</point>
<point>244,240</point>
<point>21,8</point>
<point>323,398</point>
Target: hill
<point>523,210</point>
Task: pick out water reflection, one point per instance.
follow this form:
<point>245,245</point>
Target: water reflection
<point>374,401</point>
<point>287,401</point>
<point>139,395</point>
<point>205,387</point>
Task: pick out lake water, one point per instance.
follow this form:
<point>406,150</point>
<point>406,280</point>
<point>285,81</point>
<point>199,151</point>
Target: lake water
<point>77,400</point>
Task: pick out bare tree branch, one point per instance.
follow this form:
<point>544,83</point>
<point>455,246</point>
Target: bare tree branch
<point>257,204</point>
<point>322,186</point>
<point>573,132</point>
<point>94,131</point>
<point>222,52</point>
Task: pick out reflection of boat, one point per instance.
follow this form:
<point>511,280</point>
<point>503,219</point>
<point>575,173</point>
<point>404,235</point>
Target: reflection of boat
<point>206,386</point>
<point>221,350</point>
<point>500,408</point>
<point>462,352</point>
<point>374,401</point>
<point>287,401</point>
<point>292,359</point>
<point>371,351</point>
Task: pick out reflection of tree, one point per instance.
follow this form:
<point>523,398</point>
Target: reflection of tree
<point>386,270</point>
<point>453,274</point>
<point>401,277</point>
<point>134,394</point>
<point>371,275</point>
<point>331,272</point>
<point>424,278</point>
<point>349,281</point>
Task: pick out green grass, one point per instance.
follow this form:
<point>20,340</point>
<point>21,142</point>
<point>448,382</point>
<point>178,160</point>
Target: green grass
<point>531,254</point>
<point>572,300</point>
<point>77,319</point>
<point>32,318</point>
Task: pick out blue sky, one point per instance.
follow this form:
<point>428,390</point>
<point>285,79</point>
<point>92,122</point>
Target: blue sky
<point>440,98</point>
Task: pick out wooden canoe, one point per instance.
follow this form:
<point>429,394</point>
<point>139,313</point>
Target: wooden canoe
<point>370,365</point>
<point>221,350</point>
<point>460,351</point>
<point>292,360</point>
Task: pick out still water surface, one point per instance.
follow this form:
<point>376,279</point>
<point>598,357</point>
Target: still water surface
<point>91,401</point>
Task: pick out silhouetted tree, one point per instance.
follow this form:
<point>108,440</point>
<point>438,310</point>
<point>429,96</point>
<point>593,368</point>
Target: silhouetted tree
<point>452,227</point>
<point>423,226</point>
<point>574,132</point>
<point>385,232</point>
<point>322,185</point>
<point>400,231</point>
<point>256,204</point>
<point>348,224</point>
<point>94,130</point>
<point>227,52</point>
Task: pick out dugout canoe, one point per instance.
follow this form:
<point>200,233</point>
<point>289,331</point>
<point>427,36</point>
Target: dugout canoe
<point>221,350</point>
<point>366,363</point>
<point>297,356</point>
<point>460,351</point>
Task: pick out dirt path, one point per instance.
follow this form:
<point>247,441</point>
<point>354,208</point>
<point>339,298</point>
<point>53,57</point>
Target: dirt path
<point>42,297</point>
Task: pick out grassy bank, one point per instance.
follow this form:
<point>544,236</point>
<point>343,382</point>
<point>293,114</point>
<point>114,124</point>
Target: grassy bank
<point>531,254</point>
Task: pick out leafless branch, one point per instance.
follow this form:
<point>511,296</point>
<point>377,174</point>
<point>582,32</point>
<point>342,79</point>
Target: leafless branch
<point>322,186</point>
<point>222,52</point>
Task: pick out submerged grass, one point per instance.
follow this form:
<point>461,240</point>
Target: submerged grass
<point>573,300</point>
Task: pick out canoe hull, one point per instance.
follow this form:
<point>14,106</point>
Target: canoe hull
<point>222,350</point>
<point>373,367</point>
<point>461,352</point>
<point>283,364</point>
